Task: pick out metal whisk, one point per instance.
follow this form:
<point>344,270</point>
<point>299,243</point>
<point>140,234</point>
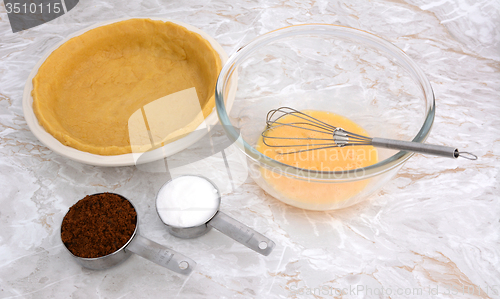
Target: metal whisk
<point>338,137</point>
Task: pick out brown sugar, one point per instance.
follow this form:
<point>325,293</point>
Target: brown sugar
<point>98,225</point>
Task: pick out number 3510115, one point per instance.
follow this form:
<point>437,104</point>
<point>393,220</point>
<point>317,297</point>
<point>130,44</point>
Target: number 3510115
<point>33,8</point>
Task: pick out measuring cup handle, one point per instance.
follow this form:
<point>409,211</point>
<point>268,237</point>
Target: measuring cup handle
<point>242,233</point>
<point>161,255</point>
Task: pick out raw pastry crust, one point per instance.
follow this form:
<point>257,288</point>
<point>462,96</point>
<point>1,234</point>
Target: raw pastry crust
<point>86,91</point>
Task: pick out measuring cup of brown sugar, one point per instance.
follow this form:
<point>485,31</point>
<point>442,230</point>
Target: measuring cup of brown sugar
<point>102,230</point>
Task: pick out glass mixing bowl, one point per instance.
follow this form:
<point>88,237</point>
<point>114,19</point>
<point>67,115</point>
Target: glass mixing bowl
<point>331,68</point>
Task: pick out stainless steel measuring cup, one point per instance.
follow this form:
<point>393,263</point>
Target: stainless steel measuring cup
<point>142,246</point>
<point>218,220</point>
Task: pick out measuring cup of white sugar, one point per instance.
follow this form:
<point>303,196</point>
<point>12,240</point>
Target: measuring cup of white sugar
<point>189,207</point>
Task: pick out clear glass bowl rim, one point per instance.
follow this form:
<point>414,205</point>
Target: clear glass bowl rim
<point>339,31</point>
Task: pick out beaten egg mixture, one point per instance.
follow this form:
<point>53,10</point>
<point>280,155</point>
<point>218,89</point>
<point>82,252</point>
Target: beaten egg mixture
<point>332,159</point>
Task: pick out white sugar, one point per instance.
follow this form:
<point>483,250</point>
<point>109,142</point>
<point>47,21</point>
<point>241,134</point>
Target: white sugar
<point>187,201</point>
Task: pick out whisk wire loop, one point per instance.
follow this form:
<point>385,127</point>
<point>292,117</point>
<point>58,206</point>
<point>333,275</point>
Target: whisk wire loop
<point>338,137</point>
<point>298,114</point>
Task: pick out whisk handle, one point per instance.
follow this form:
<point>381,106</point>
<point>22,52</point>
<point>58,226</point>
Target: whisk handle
<point>423,148</point>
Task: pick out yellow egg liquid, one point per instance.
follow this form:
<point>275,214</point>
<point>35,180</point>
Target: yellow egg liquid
<point>331,159</point>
